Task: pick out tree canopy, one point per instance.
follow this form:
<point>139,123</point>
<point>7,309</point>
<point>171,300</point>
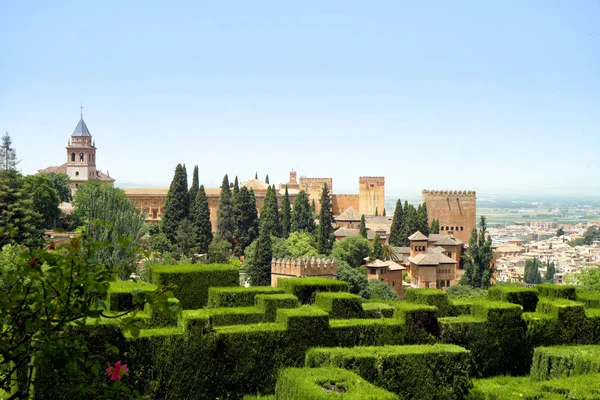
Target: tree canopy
<point>225,214</point>
<point>532,271</point>
<point>352,249</point>
<point>478,258</point>
<point>8,155</point>
<point>176,207</point>
<point>246,219</point>
<point>269,215</point>
<point>200,219</point>
<point>302,216</point>
<point>45,198</point>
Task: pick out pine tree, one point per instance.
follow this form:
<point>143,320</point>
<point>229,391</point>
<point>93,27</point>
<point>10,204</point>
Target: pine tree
<point>246,220</point>
<point>377,248</point>
<point>267,179</point>
<point>325,237</point>
<point>397,229</point>
<point>302,215</point>
<point>8,155</point>
<point>435,226</point>
<point>225,215</point>
<point>194,188</point>
<point>259,271</point>
<point>363,227</point>
<point>176,204</point>
<point>200,218</point>
<point>478,258</point>
<point>286,215</point>
<point>269,216</point>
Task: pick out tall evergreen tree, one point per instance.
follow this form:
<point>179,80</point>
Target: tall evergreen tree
<point>376,212</point>
<point>422,222</point>
<point>383,212</point>
<point>435,226</point>
<point>259,270</point>
<point>256,175</point>
<point>377,248</point>
<point>194,188</point>
<point>236,187</point>
<point>8,155</point>
<point>313,207</point>
<point>267,179</point>
<point>397,229</point>
<point>225,214</point>
<point>200,219</point>
<point>45,198</point>
<point>550,271</point>
<point>269,216</point>
<point>363,227</point>
<point>325,237</point>
<point>532,271</point>
<point>411,222</point>
<point>246,220</point>
<point>478,258</point>
<point>302,215</point>
<point>286,215</point>
<point>176,204</point>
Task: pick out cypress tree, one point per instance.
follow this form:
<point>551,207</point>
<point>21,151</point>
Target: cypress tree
<point>550,271</point>
<point>302,216</point>
<point>422,223</point>
<point>267,179</point>
<point>8,155</point>
<point>435,226</point>
<point>200,219</point>
<point>269,216</point>
<point>363,227</point>
<point>256,175</point>
<point>259,271</point>
<point>194,188</point>
<point>397,229</point>
<point>286,215</point>
<point>246,220</point>
<point>325,237</point>
<point>383,212</point>
<point>225,215</point>
<point>376,212</point>
<point>478,258</point>
<point>410,222</point>
<point>313,207</point>
<point>176,204</point>
<point>377,248</point>
<point>236,187</point>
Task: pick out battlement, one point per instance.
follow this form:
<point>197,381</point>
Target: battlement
<point>469,193</point>
<point>306,266</point>
<point>371,179</point>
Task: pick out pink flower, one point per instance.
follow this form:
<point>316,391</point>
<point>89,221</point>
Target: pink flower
<point>117,372</point>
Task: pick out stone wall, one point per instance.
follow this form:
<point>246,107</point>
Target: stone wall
<point>313,187</point>
<point>340,202</point>
<point>455,209</point>
<point>371,192</point>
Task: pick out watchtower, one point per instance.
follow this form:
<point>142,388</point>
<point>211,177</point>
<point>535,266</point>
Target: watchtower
<point>371,194</point>
<point>455,209</point>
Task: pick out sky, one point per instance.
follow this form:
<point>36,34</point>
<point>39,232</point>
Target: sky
<point>494,96</point>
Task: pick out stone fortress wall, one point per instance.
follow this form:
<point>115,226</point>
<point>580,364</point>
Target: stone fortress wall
<point>455,209</point>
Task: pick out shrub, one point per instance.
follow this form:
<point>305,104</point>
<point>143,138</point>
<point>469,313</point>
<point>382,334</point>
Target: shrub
<point>162,318</point>
<point>120,298</point>
<point>192,281</point>
<point>571,318</point>
<point>318,383</point>
<point>306,319</point>
<point>557,291</point>
<point>413,372</point>
<point>229,315</point>
<point>270,303</point>
<point>340,304</point>
<point>509,388</point>
<point>589,299</point>
<point>366,332</point>
<point>526,297</point>
<point>237,296</point>
<point>542,330</point>
<point>564,361</point>
<point>352,249</point>
<point>420,321</point>
<point>377,310</point>
<point>305,288</point>
<point>459,292</point>
<point>378,290</point>
<point>431,297</point>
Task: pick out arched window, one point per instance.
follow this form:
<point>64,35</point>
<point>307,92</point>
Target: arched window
<point>72,156</point>
<point>441,228</point>
<point>93,158</point>
<point>447,228</point>
<point>76,173</point>
<point>81,157</point>
<point>462,228</point>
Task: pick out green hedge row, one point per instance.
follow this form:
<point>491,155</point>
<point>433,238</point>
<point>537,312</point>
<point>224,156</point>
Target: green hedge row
<point>219,297</point>
<point>228,316</point>
<point>340,305</point>
<point>526,297</point>
<point>270,303</point>
<point>368,332</point>
<point>193,281</point>
<point>589,299</point>
<point>420,320</point>
<point>412,372</point>
<point>557,291</point>
<point>431,297</point>
<point>571,316</point>
<point>564,361</point>
<point>120,297</point>
<point>305,288</point>
<point>377,310</point>
<point>326,383</point>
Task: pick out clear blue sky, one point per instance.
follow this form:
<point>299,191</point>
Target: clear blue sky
<point>485,95</point>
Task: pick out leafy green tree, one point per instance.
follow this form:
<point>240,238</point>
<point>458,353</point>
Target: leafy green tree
<point>246,220</point>
<point>286,215</point>
<point>588,280</point>
<point>19,223</point>
<point>200,219</point>
<point>362,231</point>
<point>381,291</point>
<point>356,278</point>
<point>269,216</point>
<point>377,248</point>
<point>45,198</point>
<point>550,271</point>
<point>159,243</point>
<point>302,216</point>
<point>8,155</point>
<point>176,207</point>
<point>259,271</point>
<point>435,226</point>
<point>352,249</point>
<point>532,271</point>
<point>61,184</point>
<point>457,292</point>
<point>302,244</point>
<point>478,258</point>
<point>195,186</point>
<point>225,213</point>
<point>186,242</point>
<point>591,235</point>
<point>388,253</point>
<point>325,237</point>
<point>397,228</point>
<point>219,251</point>
<point>279,247</point>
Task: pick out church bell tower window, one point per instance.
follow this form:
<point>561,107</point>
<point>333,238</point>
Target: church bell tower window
<point>81,157</point>
<point>73,157</point>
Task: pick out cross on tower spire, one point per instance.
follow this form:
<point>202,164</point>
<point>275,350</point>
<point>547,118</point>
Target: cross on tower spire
<point>81,108</point>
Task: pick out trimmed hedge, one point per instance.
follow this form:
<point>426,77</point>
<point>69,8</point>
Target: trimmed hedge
<point>542,330</point>
<point>228,316</point>
<point>571,318</point>
<point>412,372</point>
<point>557,291</point>
<point>326,383</point>
<point>192,281</point>
<point>564,361</point>
<point>305,319</point>
<point>219,297</point>
<point>119,293</point>
<point>305,288</point>
<point>165,318</point>
<point>340,305</point>
<point>270,303</point>
<point>431,297</point>
<point>377,310</point>
<point>589,299</point>
<point>366,332</point>
<point>420,320</point>
<point>526,297</point>
<point>495,311</point>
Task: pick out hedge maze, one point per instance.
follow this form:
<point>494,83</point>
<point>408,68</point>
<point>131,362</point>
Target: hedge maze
<point>311,339</point>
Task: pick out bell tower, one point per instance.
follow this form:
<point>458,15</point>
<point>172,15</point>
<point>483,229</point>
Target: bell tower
<point>81,155</point>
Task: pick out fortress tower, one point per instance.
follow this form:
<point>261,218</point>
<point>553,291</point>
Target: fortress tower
<point>313,187</point>
<point>371,194</point>
<point>455,209</point>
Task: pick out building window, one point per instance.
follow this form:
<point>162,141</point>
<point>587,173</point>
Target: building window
<point>450,254</point>
<point>447,228</point>
<point>76,173</point>
<point>72,156</point>
<point>427,285</point>
<point>462,228</point>
<point>441,228</point>
<point>81,157</point>
<point>393,283</point>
